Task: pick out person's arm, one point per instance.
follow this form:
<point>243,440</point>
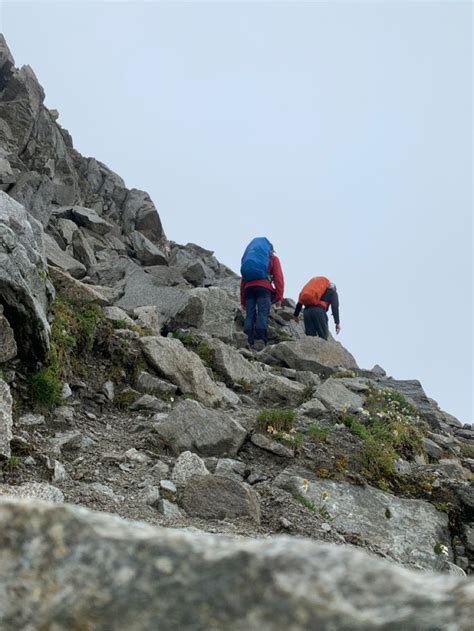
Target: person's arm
<point>335,309</point>
<point>278,280</point>
<point>297,312</point>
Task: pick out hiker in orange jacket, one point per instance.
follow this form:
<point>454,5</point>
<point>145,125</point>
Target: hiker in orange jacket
<point>316,297</point>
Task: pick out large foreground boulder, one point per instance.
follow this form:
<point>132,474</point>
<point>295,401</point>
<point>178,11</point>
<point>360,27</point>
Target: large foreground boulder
<point>311,353</point>
<point>404,529</point>
<point>25,290</point>
<point>95,571</point>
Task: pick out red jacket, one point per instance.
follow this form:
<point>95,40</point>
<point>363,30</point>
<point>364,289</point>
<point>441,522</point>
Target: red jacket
<point>277,286</point>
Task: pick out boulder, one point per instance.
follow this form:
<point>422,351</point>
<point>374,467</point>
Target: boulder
<point>277,390</point>
<point>337,397</point>
<point>170,359</point>
<point>265,442</point>
<point>118,315</point>
<point>93,570</point>
<point>150,319</point>
<point>85,218</point>
<point>154,385</point>
<point>311,353</point>
<point>232,366</point>
<point>230,468</point>
<point>186,467</point>
<point>8,347</point>
<point>404,529</point>
<point>313,408</point>
<point>61,259</point>
<point>210,310</point>
<point>146,251</point>
<point>215,497</point>
<point>75,291</point>
<point>192,427</point>
<point>83,250</point>
<point>6,420</point>
<point>25,290</point>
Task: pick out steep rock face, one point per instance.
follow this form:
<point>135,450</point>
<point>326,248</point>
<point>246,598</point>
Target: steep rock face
<point>42,170</point>
<point>25,291</point>
<point>93,570</point>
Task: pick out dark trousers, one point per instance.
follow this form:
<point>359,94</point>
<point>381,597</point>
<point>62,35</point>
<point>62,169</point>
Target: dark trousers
<point>258,301</point>
<point>316,321</point>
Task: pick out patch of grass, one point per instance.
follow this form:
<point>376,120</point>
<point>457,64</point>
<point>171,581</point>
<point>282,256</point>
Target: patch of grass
<point>388,425</point>
<point>196,344</point>
<point>442,507</point>
<point>281,419</point>
<point>125,398</point>
<point>73,333</point>
<point>307,394</point>
<point>188,395</point>
<point>46,388</point>
<point>307,503</point>
<point>246,385</point>
<point>318,434</point>
<point>342,374</point>
<point>12,463</point>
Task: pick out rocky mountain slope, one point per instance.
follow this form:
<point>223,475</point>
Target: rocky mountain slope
<point>126,387</point>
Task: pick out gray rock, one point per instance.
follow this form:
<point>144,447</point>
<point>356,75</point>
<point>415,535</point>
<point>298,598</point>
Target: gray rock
<point>230,468</point>
<point>432,449</point>
<point>336,396</point>
<point>30,420</point>
<point>76,292</point>
<point>154,385</point>
<point>256,584</point>
<point>147,252</point>
<point>356,384</point>
<point>117,315</point>
<point>59,472</point>
<point>61,259</point>
<point>150,319</point>
<point>265,442</point>
<point>160,470</point>
<point>33,490</point>
<point>8,347</point>
<point>214,497</point>
<point>210,310</point>
<point>25,291</point>
<point>187,466</point>
<point>149,403</point>
<point>169,509</point>
<point>6,421</point>
<point>71,441</point>
<point>170,359</point>
<point>404,529</point>
<point>66,229</point>
<point>313,408</point>
<point>280,390</point>
<point>109,390</point>
<point>311,353</point>
<point>168,487</point>
<point>191,427</point>
<point>151,496</point>
<point>136,456</point>
<point>230,364</point>
<point>86,218</point>
<point>83,250</point>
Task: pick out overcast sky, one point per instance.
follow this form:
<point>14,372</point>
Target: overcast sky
<point>342,131</point>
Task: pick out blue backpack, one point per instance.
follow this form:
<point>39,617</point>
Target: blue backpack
<point>254,264</point>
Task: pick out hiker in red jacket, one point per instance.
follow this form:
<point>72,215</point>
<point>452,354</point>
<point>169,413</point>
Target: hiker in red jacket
<point>257,296</point>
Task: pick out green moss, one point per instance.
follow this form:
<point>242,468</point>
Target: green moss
<point>196,344</point>
<point>46,387</point>
<point>12,463</point>
<point>125,398</point>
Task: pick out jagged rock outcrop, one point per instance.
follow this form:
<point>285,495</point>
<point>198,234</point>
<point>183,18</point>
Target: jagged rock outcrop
<point>152,578</point>
<point>25,290</point>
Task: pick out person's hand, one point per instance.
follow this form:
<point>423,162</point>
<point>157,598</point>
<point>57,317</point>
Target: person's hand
<point>338,329</point>
<point>277,304</point>
<point>296,318</point>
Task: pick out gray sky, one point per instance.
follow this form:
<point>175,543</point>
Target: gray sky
<point>342,131</point>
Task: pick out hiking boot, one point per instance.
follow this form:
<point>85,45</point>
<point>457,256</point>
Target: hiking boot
<point>259,345</point>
